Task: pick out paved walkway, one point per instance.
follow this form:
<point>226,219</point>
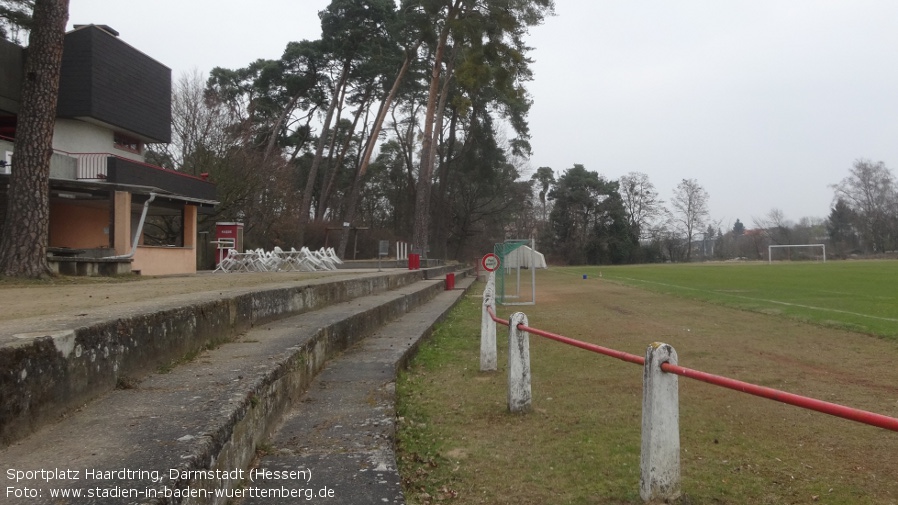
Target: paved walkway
<point>342,432</point>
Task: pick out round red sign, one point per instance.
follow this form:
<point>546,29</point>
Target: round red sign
<point>490,262</point>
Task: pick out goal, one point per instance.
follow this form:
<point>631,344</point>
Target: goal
<point>811,252</point>
<point>511,287</point>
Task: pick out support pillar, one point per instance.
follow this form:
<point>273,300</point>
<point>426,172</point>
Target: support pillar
<point>660,456</point>
<point>519,395</point>
<point>190,217</point>
<point>488,352</point>
<point>121,222</point>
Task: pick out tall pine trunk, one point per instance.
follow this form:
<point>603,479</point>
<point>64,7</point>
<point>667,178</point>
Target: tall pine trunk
<point>352,204</point>
<point>305,206</point>
<point>25,233</point>
<point>438,216</point>
<point>442,206</point>
<point>421,230</point>
<point>338,163</point>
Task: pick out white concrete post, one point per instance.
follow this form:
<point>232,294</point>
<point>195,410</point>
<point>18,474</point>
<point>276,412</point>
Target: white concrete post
<point>660,456</point>
<point>488,361</point>
<point>519,396</point>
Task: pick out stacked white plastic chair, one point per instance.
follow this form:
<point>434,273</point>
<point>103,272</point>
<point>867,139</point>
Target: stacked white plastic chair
<point>324,260</point>
<point>279,260</point>
<point>310,261</point>
<point>228,263</point>
<point>333,256</point>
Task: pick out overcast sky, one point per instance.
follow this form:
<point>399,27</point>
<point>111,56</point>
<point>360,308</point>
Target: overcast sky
<point>764,102</point>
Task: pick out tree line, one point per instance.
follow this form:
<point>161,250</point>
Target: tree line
<point>583,218</point>
<point>862,222</point>
<point>408,121</point>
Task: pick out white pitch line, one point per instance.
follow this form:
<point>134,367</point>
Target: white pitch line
<point>822,309</point>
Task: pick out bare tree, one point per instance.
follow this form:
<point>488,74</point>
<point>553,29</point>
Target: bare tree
<point>641,202</point>
<point>198,124</point>
<point>208,140</point>
<point>25,233</point>
<point>809,230</point>
<point>869,190</point>
<point>690,210</point>
<point>776,227</point>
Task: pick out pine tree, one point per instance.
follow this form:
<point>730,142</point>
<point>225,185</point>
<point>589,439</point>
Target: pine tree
<point>25,233</point>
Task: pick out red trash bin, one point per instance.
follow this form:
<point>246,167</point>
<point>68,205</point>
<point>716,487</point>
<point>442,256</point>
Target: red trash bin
<point>450,281</point>
<point>414,261</point>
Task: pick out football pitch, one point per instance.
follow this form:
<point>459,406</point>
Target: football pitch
<point>860,296</point>
<point>821,330</point>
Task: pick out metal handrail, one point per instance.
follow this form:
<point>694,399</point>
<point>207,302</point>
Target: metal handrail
<point>805,402</point>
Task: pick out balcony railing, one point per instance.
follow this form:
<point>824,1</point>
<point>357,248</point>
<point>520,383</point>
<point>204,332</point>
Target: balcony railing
<point>91,166</point>
<point>107,167</point>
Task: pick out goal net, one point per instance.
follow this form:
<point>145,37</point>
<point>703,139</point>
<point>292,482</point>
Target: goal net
<point>796,252</point>
<point>516,277</point>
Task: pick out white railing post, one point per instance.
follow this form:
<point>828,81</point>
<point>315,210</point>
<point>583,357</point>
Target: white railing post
<point>488,361</point>
<point>660,455</point>
<point>519,396</point>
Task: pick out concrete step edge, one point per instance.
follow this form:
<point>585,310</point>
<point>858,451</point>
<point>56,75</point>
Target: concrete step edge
<point>362,466</point>
<point>48,373</point>
<point>260,404</point>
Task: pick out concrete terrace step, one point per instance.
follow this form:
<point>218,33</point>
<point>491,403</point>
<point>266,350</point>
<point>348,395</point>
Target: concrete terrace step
<point>50,365</point>
<point>339,440</point>
<point>196,428</point>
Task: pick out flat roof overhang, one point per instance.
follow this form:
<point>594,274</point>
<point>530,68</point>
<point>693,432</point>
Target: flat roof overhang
<point>99,192</point>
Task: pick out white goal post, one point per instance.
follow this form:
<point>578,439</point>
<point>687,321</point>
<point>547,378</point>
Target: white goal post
<point>771,247</point>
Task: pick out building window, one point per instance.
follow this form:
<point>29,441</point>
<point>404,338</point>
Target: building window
<point>6,163</point>
<point>126,143</point>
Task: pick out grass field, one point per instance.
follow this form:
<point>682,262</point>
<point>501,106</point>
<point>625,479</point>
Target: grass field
<point>856,295</point>
<point>458,444</point>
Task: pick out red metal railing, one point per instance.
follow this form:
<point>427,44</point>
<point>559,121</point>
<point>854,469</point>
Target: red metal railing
<point>833,409</point>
